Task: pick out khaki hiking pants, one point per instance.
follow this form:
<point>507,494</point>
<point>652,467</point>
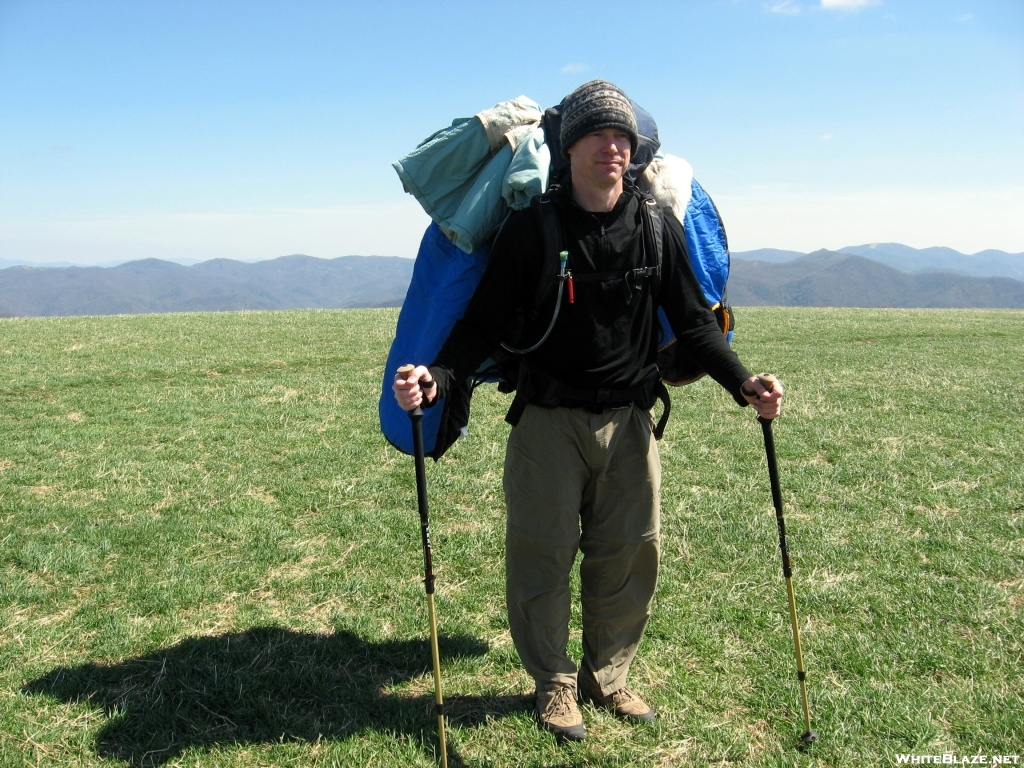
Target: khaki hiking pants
<point>590,482</point>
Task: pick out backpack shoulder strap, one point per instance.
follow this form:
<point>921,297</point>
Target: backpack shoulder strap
<point>548,217</point>
<point>654,236</point>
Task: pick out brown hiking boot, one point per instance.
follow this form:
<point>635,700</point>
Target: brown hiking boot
<point>558,713</point>
<point>623,702</point>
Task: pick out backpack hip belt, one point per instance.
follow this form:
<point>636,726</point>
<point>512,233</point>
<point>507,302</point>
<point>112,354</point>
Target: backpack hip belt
<point>538,388</point>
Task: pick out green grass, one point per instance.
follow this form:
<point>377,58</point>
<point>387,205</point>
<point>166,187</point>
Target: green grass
<point>210,557</point>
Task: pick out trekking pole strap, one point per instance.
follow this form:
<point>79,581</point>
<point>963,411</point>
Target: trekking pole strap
<point>661,392</point>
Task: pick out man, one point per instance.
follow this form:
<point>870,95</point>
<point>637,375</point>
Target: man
<point>582,471</point>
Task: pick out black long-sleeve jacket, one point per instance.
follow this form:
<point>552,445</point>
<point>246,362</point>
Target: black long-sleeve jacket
<point>607,338</point>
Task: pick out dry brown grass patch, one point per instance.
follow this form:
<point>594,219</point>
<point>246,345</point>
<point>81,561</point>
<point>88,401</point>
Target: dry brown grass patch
<point>262,495</point>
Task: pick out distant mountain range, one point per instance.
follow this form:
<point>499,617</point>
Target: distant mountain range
<point>764,277</point>
<point>990,263</point>
<point>833,279</point>
<point>5,263</point>
<point>152,285</point>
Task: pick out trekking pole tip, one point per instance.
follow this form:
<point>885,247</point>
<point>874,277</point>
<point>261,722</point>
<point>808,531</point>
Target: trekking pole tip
<point>809,737</point>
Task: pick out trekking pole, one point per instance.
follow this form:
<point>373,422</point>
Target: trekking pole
<point>808,736</point>
<point>416,416</point>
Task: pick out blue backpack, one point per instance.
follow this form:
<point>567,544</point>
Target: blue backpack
<point>708,247</point>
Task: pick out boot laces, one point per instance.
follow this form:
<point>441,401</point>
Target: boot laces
<point>623,696</point>
<point>562,701</point>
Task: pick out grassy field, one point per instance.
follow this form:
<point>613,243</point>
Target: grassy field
<point>210,557</point>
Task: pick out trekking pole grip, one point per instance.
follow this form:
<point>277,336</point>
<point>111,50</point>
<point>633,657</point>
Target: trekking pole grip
<point>404,371</point>
<point>768,382</point>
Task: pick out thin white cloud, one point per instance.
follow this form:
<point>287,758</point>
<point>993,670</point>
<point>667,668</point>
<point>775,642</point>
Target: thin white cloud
<point>793,217</point>
<point>848,5</point>
<point>805,219</point>
<point>573,69</point>
<point>826,137</point>
<point>382,229</point>
<point>965,17</point>
<point>787,7</point>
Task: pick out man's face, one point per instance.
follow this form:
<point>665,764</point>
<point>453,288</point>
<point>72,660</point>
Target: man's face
<point>601,158</point>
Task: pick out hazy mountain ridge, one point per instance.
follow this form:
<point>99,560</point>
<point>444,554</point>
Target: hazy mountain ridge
<point>5,263</point>
<point>835,279</point>
<point>987,263</point>
<point>152,285</point>
<point>823,278</point>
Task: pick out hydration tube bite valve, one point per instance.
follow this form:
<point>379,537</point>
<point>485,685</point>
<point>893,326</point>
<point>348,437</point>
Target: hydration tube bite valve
<point>564,274</point>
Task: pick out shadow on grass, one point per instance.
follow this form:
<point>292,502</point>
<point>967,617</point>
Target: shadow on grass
<point>266,685</point>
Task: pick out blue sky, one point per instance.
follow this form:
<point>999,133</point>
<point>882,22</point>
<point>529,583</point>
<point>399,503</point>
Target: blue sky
<point>256,129</point>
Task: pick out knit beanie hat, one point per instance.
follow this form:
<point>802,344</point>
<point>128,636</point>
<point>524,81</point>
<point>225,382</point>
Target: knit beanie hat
<point>593,106</point>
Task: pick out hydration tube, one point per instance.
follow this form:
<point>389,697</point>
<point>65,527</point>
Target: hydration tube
<point>563,275</point>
